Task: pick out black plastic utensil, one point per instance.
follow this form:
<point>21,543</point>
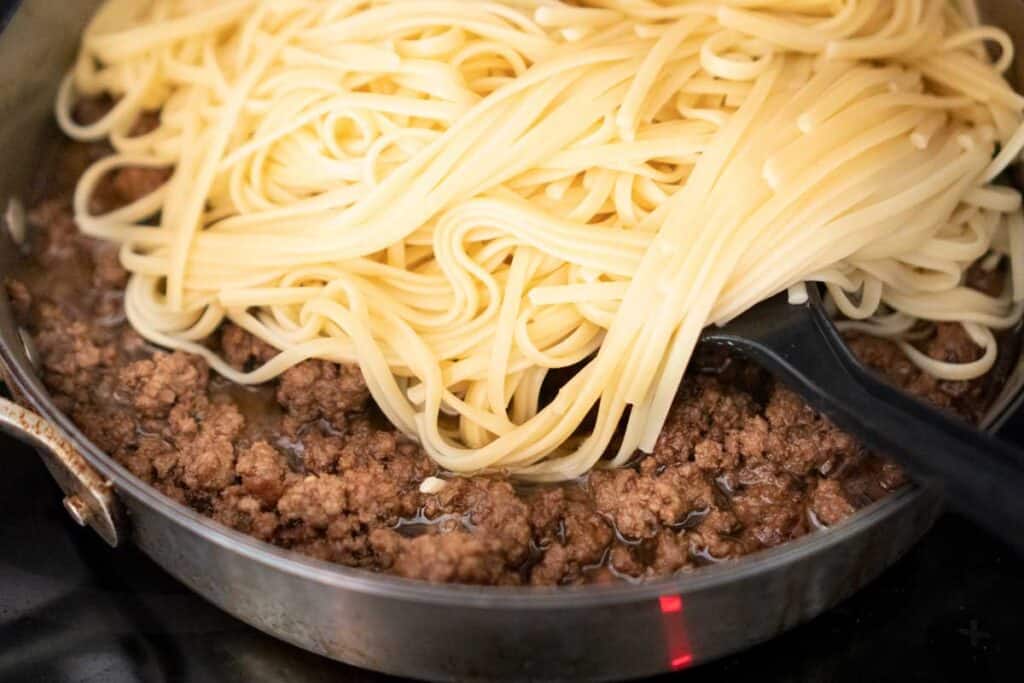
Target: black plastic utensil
<point>982,476</point>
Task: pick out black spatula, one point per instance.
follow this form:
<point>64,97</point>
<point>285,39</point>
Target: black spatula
<point>982,476</point>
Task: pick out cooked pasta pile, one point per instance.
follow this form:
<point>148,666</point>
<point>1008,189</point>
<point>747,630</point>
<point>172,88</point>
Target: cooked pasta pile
<point>462,196</point>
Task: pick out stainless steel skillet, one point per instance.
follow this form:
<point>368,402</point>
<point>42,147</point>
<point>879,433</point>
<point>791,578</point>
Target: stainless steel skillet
<point>390,624</point>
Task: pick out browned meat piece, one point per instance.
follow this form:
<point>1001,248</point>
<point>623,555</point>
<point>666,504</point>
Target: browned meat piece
<point>891,476</point>
<point>316,389</point>
<point>627,560</point>
<point>666,553</point>
<point>573,536</point>
<point>712,455</point>
<point>829,503</point>
<point>20,298</point>
<point>208,461</point>
<point>110,427</point>
<point>769,505</point>
<point>366,444</point>
<point>990,282</point>
<point>108,272</point>
<point>146,123</point>
<point>457,557</point>
<point>237,509</point>
<point>642,503</point>
<point>383,472</point>
<point>262,471</point>
<point>717,536</point>
<point>321,450</point>
<point>123,186</point>
<point>242,350</point>
<point>54,231</point>
<point>949,343</point>
<point>72,358</point>
<point>585,537</point>
<point>155,385</point>
<point>314,501</point>
<point>135,182</point>
<point>705,410</point>
<point>799,440</point>
<point>378,486</point>
<point>490,505</point>
<point>89,110</point>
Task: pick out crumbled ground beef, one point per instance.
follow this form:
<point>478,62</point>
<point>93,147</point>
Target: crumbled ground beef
<point>454,557</point>
<point>125,185</point>
<point>643,501</point>
<point>19,296</point>
<point>262,472</point>
<point>242,350</point>
<point>89,110</point>
<point>163,382</point>
<point>950,343</point>
<point>573,536</point>
<point>55,231</point>
<point>317,389</point>
<point>308,463</point>
<point>829,502</point>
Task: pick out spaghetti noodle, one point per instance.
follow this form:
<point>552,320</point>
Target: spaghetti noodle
<point>462,196</point>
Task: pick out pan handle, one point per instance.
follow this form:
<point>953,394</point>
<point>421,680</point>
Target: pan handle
<point>88,497</point>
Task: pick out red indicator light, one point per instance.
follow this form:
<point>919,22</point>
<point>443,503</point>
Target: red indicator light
<point>671,604</point>
<point>677,646</point>
<point>682,661</point>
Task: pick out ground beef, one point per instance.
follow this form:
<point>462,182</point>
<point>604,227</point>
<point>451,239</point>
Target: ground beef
<point>108,273</point>
<point>829,502</point>
<point>320,449</point>
<point>316,501</point>
<point>108,427</point>
<point>642,501</point>
<point>89,110</point>
<point>134,183</point>
<point>246,513</point>
<point>572,535</point>
<point>948,342</point>
<point>490,506</point>
<point>55,235</point>
<point>262,472</point>
<point>242,350</point>
<point>19,296</point>
<point>317,389</point>
<point>990,281</point>
<point>125,185</point>
<point>307,462</point>
<point>208,458</point>
<point>795,439</point>
<point>77,360</point>
<point>158,384</point>
<point>456,557</point>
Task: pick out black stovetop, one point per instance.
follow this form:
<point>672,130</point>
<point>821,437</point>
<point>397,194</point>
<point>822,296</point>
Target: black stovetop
<point>74,611</point>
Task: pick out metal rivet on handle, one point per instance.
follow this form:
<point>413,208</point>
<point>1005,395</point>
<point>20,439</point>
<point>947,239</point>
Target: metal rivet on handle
<point>78,510</point>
